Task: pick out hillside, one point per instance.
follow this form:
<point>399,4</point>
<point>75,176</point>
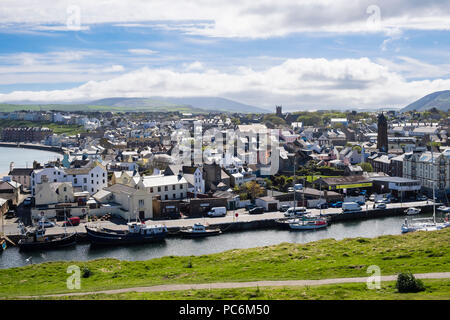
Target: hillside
<point>195,103</point>
<point>152,104</point>
<point>439,100</point>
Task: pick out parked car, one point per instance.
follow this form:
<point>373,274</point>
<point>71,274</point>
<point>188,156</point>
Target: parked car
<point>386,200</point>
<point>361,203</point>
<point>421,197</point>
<point>350,207</point>
<point>217,212</point>
<point>284,208</point>
<point>297,211</point>
<point>380,205</point>
<point>290,189</point>
<point>72,222</point>
<point>10,214</point>
<point>372,197</point>
<point>248,207</point>
<point>337,204</point>
<point>46,224</point>
<point>322,206</point>
<point>256,210</point>
<point>27,201</point>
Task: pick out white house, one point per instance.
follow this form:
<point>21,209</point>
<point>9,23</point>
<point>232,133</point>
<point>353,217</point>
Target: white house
<point>173,187</point>
<point>53,192</point>
<point>91,178</point>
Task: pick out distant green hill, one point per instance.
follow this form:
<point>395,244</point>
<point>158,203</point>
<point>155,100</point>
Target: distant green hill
<point>439,100</point>
<point>152,104</point>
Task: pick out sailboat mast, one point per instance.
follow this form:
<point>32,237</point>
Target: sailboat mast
<point>434,201</point>
<point>295,191</point>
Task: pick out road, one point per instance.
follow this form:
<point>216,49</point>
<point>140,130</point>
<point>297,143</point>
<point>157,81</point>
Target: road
<point>230,285</point>
<point>243,216</point>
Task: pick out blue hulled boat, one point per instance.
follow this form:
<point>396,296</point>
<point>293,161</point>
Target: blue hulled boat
<point>137,233</point>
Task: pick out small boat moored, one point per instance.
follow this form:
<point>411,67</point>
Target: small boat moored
<point>444,209</point>
<point>308,223</point>
<point>199,230</point>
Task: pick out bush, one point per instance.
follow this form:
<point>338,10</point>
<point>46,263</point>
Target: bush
<point>86,272</point>
<point>406,282</point>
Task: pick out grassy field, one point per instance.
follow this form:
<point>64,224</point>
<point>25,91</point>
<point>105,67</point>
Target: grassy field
<point>435,290</point>
<point>57,128</point>
<point>419,252</point>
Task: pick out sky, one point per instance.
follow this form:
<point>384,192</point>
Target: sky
<point>302,55</point>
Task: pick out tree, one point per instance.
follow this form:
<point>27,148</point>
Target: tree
<point>253,189</point>
<point>367,167</point>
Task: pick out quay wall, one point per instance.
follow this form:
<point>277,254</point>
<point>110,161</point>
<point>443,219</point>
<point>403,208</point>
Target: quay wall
<point>59,150</point>
<point>273,223</point>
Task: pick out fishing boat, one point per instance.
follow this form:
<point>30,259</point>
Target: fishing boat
<point>412,211</point>
<point>199,230</point>
<point>137,232</point>
<point>308,224</point>
<point>36,239</point>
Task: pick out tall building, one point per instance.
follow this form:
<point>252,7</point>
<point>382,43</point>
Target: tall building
<point>382,140</point>
<point>279,111</point>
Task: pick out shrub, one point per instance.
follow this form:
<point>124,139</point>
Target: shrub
<point>189,264</point>
<point>406,282</point>
<point>86,272</point>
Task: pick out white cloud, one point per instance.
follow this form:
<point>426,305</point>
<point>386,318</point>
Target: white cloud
<point>245,18</point>
<point>194,66</point>
<point>294,83</point>
<point>142,51</point>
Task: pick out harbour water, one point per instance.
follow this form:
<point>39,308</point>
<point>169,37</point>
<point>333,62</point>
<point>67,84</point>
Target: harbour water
<point>23,158</point>
<point>12,257</point>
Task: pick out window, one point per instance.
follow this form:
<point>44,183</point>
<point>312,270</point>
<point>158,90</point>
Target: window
<point>65,189</point>
<point>181,195</point>
<point>173,187</point>
<point>92,181</point>
<point>151,189</point>
<point>174,195</point>
<point>166,188</point>
<point>141,203</point>
<point>92,175</point>
<point>166,197</point>
<point>92,189</point>
<point>103,174</point>
<point>103,180</point>
<point>54,180</point>
<point>181,186</point>
<point>84,180</point>
<point>159,189</point>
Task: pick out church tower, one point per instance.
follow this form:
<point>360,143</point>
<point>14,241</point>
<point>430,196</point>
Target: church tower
<point>382,140</point>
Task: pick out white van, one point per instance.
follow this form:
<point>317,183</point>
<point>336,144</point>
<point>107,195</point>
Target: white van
<point>350,207</point>
<point>217,212</point>
<point>297,211</point>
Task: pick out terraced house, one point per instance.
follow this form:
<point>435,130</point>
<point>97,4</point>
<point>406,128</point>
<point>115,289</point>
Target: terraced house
<point>92,178</point>
<point>429,170</point>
